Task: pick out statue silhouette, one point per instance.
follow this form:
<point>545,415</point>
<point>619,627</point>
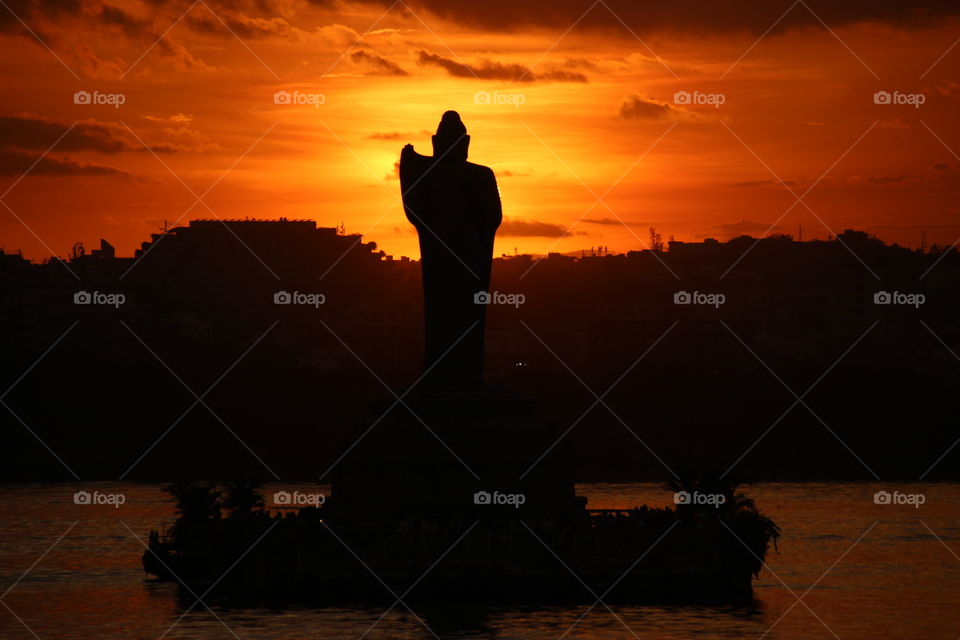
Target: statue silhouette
<point>455,207</point>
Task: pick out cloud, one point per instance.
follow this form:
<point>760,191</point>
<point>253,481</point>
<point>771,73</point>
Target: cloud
<point>336,35</point>
<point>389,135</point>
<point>887,179</point>
<point>18,10</point>
<point>950,89</point>
<point>517,227</point>
<point>745,227</point>
<point>177,118</point>
<point>582,63</point>
<point>183,138</point>
<point>397,135</point>
<point>117,17</point>
<point>492,70</point>
<point>183,59</point>
<point>37,133</point>
<point>377,64</point>
<point>25,142</point>
<point>72,26</point>
<point>227,19</point>
<point>630,64</point>
<point>641,108</point>
<point>14,162</point>
<point>614,222</point>
<point>694,16</point>
<point>790,182</point>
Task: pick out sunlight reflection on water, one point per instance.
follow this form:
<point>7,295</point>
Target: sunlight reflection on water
<point>898,581</point>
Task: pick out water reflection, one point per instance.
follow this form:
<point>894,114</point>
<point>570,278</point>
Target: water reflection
<point>476,622</point>
<point>900,581</point>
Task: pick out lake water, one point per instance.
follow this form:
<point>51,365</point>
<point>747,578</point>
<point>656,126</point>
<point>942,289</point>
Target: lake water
<point>861,570</point>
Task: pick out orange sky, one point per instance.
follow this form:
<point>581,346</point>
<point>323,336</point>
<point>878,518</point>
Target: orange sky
<point>587,110</point>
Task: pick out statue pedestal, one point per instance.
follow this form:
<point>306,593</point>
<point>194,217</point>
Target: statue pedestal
<point>442,449</point>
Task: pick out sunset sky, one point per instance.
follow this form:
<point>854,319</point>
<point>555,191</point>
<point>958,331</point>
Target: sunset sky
<point>568,101</point>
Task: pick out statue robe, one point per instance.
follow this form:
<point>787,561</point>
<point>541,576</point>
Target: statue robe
<point>455,207</point>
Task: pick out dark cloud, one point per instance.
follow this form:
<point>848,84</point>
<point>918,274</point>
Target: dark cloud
<point>227,19</point>
<point>624,18</point>
<point>253,28</point>
<point>377,64</point>
<point>15,163</point>
<point>202,24</point>
<point>615,222</point>
<point>516,227</point>
<point>492,70</point>
<point>24,9</point>
<point>644,16</point>
<point>765,183</point>
<point>36,133</point>
<point>117,17</point>
<point>889,179</point>
<point>26,140</point>
<point>581,63</point>
<point>249,19</point>
<point>641,108</point>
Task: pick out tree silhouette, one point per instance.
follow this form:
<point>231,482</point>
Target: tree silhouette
<point>196,502</point>
<point>241,497</point>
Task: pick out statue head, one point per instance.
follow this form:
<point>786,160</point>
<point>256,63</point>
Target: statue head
<point>451,140</point>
